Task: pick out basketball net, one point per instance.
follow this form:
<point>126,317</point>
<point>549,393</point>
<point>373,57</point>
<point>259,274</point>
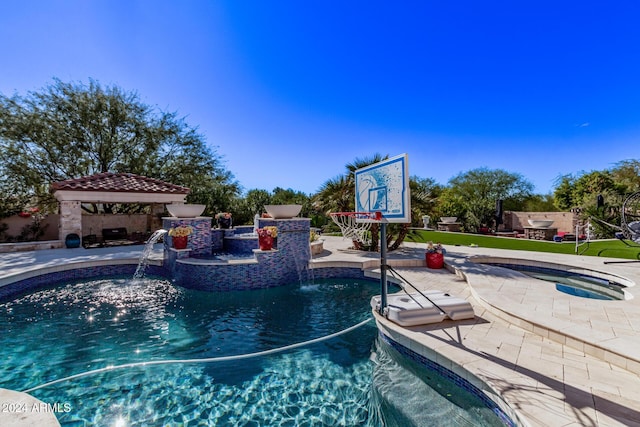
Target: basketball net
<point>352,229</point>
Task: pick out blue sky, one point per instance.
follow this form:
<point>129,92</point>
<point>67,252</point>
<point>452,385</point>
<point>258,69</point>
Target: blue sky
<point>288,92</point>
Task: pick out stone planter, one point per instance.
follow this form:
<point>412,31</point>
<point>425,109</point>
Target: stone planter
<point>317,247</point>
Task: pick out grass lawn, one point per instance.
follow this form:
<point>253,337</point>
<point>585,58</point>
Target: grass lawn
<point>613,248</point>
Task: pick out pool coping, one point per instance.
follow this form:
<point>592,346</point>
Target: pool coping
<point>25,410</point>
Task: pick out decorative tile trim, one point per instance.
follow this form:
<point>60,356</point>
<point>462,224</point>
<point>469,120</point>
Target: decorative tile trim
<point>339,272</point>
<point>36,282</point>
<point>451,376</point>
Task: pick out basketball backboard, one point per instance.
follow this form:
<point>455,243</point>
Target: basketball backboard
<point>384,187</point>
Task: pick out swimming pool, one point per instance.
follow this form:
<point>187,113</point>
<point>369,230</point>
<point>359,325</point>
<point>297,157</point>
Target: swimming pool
<point>135,349</point>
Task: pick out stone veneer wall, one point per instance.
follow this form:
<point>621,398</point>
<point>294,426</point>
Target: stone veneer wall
<point>562,221</point>
<point>70,219</point>
<point>339,272</point>
<point>540,233</point>
<point>95,223</point>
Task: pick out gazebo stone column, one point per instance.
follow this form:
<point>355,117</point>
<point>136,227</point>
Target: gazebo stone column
<point>70,219</point>
<point>155,217</point>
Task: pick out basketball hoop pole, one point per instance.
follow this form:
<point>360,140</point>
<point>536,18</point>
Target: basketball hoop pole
<point>383,267</point>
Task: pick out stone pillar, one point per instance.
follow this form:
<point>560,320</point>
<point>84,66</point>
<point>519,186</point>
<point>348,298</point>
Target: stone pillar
<point>70,219</point>
<point>155,222</point>
<point>294,250</point>
<point>200,241</point>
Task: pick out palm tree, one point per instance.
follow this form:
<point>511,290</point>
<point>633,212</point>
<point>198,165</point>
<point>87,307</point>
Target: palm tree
<point>335,195</point>
<point>338,195</point>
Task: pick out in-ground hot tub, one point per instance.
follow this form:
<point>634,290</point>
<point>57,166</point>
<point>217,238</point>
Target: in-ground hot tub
<point>576,282</point>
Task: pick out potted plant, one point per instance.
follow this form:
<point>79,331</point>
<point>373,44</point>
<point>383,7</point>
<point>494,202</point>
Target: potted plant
<point>224,220</point>
<point>434,255</point>
<point>180,236</point>
<point>266,236</point>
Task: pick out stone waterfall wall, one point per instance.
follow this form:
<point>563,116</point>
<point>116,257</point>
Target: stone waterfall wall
<point>276,267</point>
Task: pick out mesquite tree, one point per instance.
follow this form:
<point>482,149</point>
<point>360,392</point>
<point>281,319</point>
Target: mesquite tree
<point>69,130</point>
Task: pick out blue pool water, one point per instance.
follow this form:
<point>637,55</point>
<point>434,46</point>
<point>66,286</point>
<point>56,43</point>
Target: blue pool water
<point>580,285</point>
<point>80,329</point>
<point>225,256</point>
<point>582,293</point>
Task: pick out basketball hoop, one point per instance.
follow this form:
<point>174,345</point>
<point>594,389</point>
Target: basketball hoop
<point>356,225</point>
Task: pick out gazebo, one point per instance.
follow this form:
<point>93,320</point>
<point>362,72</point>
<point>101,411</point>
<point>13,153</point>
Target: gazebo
<point>110,188</point>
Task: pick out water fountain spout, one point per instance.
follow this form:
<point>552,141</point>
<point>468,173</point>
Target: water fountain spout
<point>146,253</point>
<point>256,223</point>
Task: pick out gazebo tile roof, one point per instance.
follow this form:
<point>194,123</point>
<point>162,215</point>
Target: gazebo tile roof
<point>118,182</point>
